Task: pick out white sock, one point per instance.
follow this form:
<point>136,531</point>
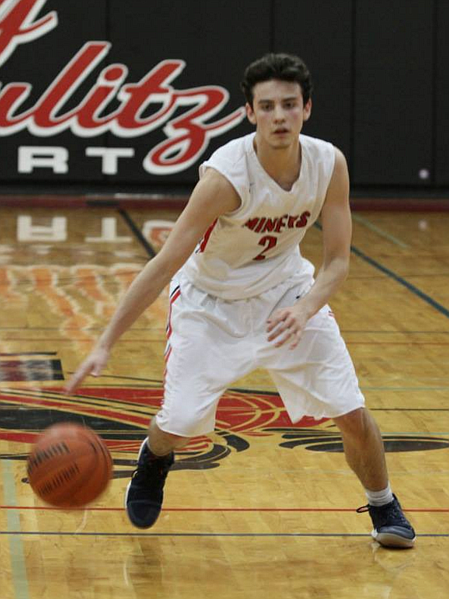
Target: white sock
<point>379,498</point>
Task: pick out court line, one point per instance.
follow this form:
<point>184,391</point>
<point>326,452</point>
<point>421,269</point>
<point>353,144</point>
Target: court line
<point>72,339</point>
<point>369,225</point>
<point>240,390</point>
<point>254,391</point>
<point>409,343</point>
<point>364,388</point>
<point>30,353</point>
<point>146,329</point>
<point>137,233</point>
<point>411,409</point>
<point>94,328</point>
<point>218,509</point>
<point>262,391</point>
<point>429,300</point>
<point>207,534</point>
<point>421,388</point>
<point>433,275</point>
<point>18,567</point>
<point>62,340</point>
<point>398,332</point>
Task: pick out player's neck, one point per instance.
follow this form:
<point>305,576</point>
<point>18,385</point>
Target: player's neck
<point>281,164</point>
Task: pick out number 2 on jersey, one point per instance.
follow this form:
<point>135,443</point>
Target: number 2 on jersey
<point>269,241</point>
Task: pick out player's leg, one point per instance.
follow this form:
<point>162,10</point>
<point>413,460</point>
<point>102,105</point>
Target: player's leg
<point>162,443</point>
<point>364,452</point>
<point>318,379</point>
<point>206,351</point>
<point>364,448</point>
<point>145,492</point>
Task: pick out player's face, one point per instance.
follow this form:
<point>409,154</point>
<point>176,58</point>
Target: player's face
<point>279,112</point>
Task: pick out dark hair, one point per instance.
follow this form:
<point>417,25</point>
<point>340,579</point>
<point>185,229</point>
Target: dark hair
<point>285,67</point>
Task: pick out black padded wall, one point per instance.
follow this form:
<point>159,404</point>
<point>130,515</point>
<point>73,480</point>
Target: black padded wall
<point>164,91</point>
<point>442,94</point>
<point>393,92</point>
<point>325,46</point>
<point>215,40</point>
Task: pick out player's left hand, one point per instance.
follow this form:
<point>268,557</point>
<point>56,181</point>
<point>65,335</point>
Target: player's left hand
<point>287,324</point>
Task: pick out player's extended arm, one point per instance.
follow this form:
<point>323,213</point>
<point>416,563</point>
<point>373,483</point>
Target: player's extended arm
<point>287,324</point>
<point>212,197</point>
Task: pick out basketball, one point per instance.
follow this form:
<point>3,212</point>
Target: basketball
<point>69,466</point>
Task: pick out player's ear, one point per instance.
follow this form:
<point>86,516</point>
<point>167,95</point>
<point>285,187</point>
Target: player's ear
<point>307,110</point>
<point>250,114</point>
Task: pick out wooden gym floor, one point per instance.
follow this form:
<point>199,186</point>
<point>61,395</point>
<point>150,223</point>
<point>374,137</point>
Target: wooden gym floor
<point>261,508</point>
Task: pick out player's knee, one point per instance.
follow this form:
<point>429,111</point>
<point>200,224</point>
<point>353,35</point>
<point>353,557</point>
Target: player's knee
<point>162,442</point>
<point>160,426</point>
<point>354,423</point>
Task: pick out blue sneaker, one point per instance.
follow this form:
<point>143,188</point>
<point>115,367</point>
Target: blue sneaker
<point>145,492</point>
<point>391,527</point>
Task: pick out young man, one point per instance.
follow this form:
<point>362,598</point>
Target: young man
<point>243,296</point>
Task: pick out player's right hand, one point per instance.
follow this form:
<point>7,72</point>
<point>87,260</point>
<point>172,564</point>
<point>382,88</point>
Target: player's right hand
<point>92,365</point>
<point>287,325</point>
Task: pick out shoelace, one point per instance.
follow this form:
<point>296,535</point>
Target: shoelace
<point>385,516</point>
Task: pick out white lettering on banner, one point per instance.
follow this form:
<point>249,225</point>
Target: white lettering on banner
<point>110,157</point>
<point>187,135</point>
<point>56,231</point>
<point>52,157</point>
<point>108,232</point>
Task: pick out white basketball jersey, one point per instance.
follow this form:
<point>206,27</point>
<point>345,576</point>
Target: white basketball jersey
<point>256,247</point>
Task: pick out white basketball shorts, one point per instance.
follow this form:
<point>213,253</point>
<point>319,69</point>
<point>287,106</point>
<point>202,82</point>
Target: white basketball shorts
<point>213,342</point>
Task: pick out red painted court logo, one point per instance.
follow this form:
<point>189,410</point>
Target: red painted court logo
<point>120,416</point>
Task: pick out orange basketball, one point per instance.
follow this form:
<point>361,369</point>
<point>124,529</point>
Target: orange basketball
<point>70,466</point>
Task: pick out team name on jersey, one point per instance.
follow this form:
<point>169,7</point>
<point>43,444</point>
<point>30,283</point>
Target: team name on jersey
<point>263,224</point>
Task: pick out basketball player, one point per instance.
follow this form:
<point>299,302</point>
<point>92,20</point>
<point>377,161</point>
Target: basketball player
<point>243,297</point>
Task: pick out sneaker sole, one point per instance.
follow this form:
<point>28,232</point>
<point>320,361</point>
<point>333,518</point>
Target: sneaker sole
<point>391,540</point>
<point>129,484</point>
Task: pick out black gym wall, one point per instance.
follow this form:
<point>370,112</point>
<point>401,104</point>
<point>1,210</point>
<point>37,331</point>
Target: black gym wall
<point>132,96</point>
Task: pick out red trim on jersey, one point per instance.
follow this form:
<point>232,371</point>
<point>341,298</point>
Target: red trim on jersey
<point>167,355</point>
<point>208,233</point>
<point>175,290</point>
<point>173,298</point>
